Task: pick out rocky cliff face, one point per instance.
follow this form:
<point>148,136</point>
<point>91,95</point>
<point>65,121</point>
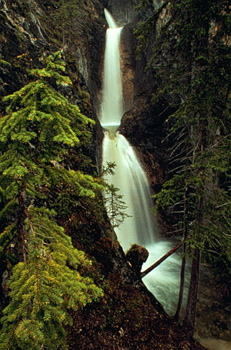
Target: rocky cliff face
<point>143,121</point>
<point>30,29</point>
<point>123,11</point>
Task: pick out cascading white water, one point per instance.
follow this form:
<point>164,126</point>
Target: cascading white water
<point>110,20</point>
<point>141,228</point>
<point>129,176</point>
<point>112,104</point>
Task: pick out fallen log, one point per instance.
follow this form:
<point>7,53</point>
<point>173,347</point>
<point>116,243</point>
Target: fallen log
<point>159,261</point>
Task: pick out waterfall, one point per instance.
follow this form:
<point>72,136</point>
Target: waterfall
<point>112,105</point>
<point>129,176</point>
<point>141,226</point>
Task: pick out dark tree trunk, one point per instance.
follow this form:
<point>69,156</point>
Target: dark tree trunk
<point>186,221</point>
<point>190,314</point>
<point>181,292</point>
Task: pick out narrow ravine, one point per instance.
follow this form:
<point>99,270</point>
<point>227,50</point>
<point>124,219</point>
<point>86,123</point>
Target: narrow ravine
<point>141,226</point>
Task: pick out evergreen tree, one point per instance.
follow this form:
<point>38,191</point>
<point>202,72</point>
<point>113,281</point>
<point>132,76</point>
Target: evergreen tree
<point>193,41</point>
<point>115,205</point>
<point>65,16</point>
<point>113,200</point>
<point>38,133</point>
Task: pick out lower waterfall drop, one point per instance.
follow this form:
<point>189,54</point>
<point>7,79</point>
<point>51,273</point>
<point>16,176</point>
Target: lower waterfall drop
<point>130,179</point>
<point>141,226</point>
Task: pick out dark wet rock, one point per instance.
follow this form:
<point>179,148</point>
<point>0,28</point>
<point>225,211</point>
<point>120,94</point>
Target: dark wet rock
<point>136,256</point>
<point>123,11</point>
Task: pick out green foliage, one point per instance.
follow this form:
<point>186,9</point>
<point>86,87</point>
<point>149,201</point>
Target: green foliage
<point>45,287</point>
<point>114,204</point>
<point>193,41</point>
<point>65,18</point>
<point>39,132</point>
<point>40,128</point>
<point>189,61</point>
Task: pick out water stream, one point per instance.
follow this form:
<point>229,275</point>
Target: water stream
<point>141,227</point>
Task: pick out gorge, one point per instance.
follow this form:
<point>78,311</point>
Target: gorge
<point>140,227</point>
<point>162,81</point>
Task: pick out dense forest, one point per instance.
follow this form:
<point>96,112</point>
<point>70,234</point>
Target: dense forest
<point>66,282</point>
<point>194,44</point>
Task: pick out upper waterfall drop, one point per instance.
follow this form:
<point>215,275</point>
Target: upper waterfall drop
<point>110,20</point>
<point>112,101</point>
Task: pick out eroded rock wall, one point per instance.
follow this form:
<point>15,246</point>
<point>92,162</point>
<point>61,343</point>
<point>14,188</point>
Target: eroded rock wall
<point>123,11</point>
<point>32,29</point>
<point>142,123</point>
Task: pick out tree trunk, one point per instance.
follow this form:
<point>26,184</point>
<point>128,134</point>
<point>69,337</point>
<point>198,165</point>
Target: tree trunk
<point>181,292</point>
<point>190,314</point>
<point>185,225</point>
